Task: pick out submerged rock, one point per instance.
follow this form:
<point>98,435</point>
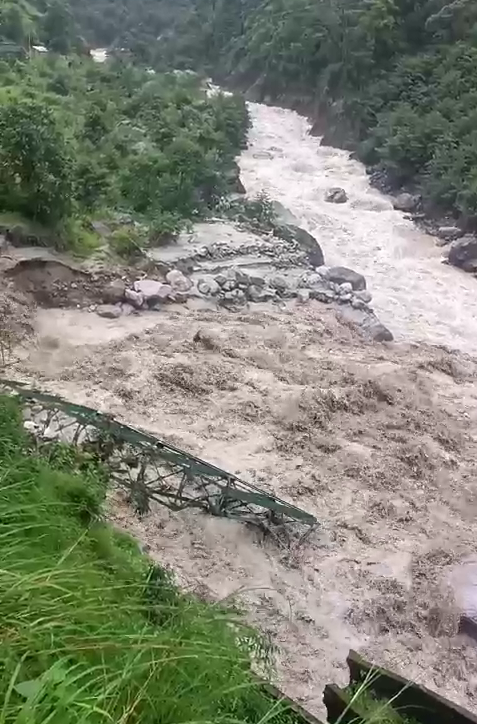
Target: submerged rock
<point>336,195</point>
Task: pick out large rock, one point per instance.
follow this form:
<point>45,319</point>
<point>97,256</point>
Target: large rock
<point>406,202</point>
<point>109,311</point>
<point>208,286</point>
<point>308,243</point>
<point>283,215</point>
<point>449,233</point>
<point>336,195</point>
<point>178,281</point>
<point>341,275</point>
<point>463,251</point>
<point>113,293</point>
<point>136,299</point>
<point>261,294</point>
<point>153,291</point>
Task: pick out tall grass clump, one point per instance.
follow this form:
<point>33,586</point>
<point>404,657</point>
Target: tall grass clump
<point>90,631</point>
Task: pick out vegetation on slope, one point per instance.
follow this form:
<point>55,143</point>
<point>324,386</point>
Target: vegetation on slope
<point>80,139</point>
<point>91,632</point>
<point>395,78</point>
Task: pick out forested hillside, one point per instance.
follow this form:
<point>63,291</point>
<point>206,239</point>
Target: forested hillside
<point>396,78</point>
<point>80,140</point>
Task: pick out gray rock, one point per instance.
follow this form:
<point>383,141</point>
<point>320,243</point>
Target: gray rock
<point>136,299</point>
<point>127,309</point>
<point>336,195</point>
<point>108,311</point>
<point>150,289</point>
<point>221,279</point>
<point>229,285</point>
<point>341,274</point>
<point>261,294</point>
<point>208,286</point>
<point>463,251</point>
<point>283,215</point>
<point>343,298</point>
<point>323,271</point>
<point>241,277</point>
<point>364,296</point>
<point>346,288</point>
<point>279,283</point>
<point>114,292</point>
<point>375,330</point>
<point>406,202</point>
<point>178,281</point>
<point>305,241</point>
<point>303,296</point>
<point>449,233</point>
<point>235,298</point>
<point>257,281</point>
<point>358,303</point>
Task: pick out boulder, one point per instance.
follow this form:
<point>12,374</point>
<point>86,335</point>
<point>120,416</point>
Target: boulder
<point>109,311</point>
<point>257,281</point>
<point>208,286</point>
<point>463,251</point>
<point>114,292</point>
<point>303,296</point>
<point>153,291</point>
<point>178,281</point>
<point>279,283</point>
<point>375,330</point>
<point>235,298</point>
<point>261,294</point>
<point>304,239</point>
<point>346,288</point>
<point>341,275</point>
<point>336,195</point>
<point>323,271</point>
<point>406,202</point>
<point>449,233</point>
<point>136,299</point>
<point>364,296</point>
<point>283,215</point>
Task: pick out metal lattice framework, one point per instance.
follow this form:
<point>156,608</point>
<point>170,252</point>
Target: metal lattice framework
<point>152,470</point>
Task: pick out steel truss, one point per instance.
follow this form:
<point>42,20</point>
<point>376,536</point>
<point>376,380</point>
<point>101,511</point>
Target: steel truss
<point>152,470</point>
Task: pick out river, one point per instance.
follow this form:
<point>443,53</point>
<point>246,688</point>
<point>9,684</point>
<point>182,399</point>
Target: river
<point>415,295</point>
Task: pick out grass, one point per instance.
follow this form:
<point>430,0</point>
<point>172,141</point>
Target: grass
<point>91,632</point>
<point>374,710</point>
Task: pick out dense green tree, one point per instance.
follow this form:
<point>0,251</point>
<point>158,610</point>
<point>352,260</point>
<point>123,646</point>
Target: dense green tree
<point>35,165</point>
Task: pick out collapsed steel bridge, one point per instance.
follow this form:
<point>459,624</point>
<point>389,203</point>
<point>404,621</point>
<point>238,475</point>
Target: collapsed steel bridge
<point>153,470</point>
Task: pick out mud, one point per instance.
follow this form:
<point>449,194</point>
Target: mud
<point>378,442</point>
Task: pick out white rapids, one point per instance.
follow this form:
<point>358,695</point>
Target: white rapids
<point>415,295</point>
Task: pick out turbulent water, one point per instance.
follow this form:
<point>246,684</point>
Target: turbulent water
<point>415,295</point>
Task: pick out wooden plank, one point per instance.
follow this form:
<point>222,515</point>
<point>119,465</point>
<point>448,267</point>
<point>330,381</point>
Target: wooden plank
<point>413,700</point>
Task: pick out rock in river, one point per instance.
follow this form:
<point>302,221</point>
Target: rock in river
<point>463,251</point>
<point>341,275</point>
<point>336,195</point>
